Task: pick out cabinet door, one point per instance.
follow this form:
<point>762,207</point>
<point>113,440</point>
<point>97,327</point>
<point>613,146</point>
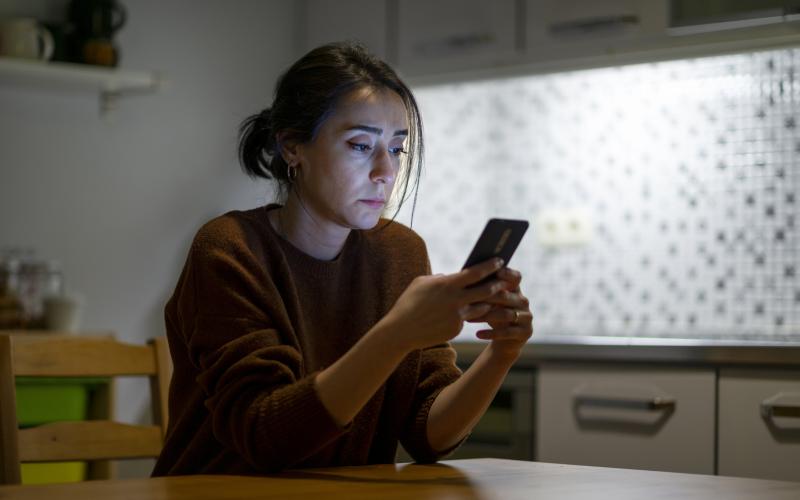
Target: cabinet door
<point>630,417</point>
<point>558,29</point>
<point>330,21</point>
<point>444,35</point>
<point>759,423</point>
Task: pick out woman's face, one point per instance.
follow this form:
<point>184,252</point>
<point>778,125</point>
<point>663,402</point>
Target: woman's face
<point>347,172</point>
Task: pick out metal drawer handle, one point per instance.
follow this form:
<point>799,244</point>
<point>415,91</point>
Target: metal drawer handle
<point>657,403</point>
<point>593,25</point>
<point>773,407</point>
<point>455,44</point>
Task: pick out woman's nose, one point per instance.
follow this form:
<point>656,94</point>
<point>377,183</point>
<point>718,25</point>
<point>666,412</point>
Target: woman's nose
<point>383,168</point>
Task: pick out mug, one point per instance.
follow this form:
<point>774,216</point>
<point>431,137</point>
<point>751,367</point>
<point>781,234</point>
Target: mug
<point>25,38</point>
<point>97,18</point>
<point>63,312</point>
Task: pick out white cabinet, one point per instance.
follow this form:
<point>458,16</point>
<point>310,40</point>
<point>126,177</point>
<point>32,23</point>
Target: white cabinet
<point>626,416</point>
<point>575,29</point>
<point>420,37</point>
<point>561,34</point>
<point>325,21</point>
<point>451,35</point>
<point>759,423</point>
<point>448,40</point>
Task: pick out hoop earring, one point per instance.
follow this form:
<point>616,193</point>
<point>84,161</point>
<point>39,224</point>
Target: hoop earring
<point>291,172</point>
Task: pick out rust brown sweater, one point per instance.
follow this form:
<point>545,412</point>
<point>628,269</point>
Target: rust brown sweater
<point>250,323</point>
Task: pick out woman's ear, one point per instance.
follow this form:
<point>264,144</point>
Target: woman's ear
<point>289,148</point>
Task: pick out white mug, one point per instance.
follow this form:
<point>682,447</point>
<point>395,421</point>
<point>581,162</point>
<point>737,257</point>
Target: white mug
<point>25,38</point>
<point>63,312</point>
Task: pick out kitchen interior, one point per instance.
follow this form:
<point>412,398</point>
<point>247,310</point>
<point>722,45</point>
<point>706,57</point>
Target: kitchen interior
<point>653,146</point>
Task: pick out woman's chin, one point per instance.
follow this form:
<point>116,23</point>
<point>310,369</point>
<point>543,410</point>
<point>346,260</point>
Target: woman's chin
<point>366,221</point>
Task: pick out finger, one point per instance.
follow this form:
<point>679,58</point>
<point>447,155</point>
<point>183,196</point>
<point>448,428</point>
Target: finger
<point>505,316</point>
<point>474,274</point>
<point>481,293</point>
<point>518,333</point>
<point>513,300</point>
<point>501,318</point>
<point>511,276</point>
<point>471,311</point>
<point>495,316</point>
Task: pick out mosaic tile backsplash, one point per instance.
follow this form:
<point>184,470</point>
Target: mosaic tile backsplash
<point>686,172</point>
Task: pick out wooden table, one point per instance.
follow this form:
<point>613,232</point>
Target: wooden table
<point>482,479</point>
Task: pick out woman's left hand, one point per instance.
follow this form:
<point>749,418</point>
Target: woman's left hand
<point>510,318</point>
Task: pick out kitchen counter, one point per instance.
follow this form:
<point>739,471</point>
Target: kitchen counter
<point>647,350</point>
<point>480,479</point>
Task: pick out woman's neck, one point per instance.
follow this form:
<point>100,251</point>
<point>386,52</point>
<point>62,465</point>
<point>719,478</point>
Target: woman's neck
<point>307,231</point>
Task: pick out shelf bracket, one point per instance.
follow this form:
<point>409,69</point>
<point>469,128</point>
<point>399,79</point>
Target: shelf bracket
<point>108,101</point>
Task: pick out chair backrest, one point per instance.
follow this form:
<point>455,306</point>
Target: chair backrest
<point>43,355</point>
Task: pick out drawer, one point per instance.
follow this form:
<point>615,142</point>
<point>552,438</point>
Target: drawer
<point>759,423</point>
<point>506,428</point>
<point>629,417</point>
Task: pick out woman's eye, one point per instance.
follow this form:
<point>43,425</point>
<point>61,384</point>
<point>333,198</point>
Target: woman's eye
<point>397,151</point>
<point>362,148</point>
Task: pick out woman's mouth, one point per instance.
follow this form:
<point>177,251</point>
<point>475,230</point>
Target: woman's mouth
<point>374,203</point>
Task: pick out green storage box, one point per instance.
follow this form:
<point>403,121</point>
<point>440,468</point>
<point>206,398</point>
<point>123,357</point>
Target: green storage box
<point>53,472</point>
<point>41,400</point>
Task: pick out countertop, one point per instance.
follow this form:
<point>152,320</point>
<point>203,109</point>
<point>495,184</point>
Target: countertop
<point>647,350</point>
<point>476,479</point>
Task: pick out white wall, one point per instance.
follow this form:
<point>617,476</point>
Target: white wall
<point>117,201</point>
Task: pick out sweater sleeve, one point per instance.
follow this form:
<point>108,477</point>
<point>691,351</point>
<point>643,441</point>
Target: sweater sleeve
<point>261,403</point>
<point>437,370</point>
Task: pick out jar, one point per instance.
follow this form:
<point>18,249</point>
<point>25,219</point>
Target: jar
<point>38,279</point>
<point>11,313</point>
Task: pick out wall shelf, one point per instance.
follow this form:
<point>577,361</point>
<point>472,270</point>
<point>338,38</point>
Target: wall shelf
<point>108,83</point>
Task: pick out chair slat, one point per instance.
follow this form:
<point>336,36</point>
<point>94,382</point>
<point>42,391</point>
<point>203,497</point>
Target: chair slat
<point>9,458</point>
<point>77,357</point>
<point>84,440</point>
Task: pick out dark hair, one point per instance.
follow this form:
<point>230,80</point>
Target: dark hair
<point>307,94</point>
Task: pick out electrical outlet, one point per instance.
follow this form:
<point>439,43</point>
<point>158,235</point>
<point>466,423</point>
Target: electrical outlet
<point>563,227</point>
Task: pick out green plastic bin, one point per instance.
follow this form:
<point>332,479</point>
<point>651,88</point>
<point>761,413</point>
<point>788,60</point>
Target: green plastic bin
<point>42,400</point>
<point>53,472</point>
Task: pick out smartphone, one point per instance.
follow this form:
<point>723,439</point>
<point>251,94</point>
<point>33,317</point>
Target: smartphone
<point>500,238</point>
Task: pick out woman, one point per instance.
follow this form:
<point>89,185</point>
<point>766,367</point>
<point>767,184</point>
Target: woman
<point>311,333</point>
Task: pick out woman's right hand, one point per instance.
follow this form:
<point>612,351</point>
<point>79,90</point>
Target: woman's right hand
<point>432,310</point>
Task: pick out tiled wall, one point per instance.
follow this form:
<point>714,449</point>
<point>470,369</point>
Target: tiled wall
<point>689,173</point>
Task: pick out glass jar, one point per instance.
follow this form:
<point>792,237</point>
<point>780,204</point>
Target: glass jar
<point>11,314</point>
<point>38,279</point>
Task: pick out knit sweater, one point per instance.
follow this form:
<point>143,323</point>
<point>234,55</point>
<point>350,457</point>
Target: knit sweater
<point>252,321</point>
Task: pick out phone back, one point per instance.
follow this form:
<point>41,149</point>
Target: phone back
<point>500,238</point>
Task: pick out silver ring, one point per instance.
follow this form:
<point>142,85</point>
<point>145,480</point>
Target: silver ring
<point>516,318</point>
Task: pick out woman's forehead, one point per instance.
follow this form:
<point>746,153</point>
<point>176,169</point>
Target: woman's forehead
<point>371,107</point>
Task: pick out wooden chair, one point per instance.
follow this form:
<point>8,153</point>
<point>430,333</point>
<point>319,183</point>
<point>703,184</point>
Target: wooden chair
<point>44,355</point>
